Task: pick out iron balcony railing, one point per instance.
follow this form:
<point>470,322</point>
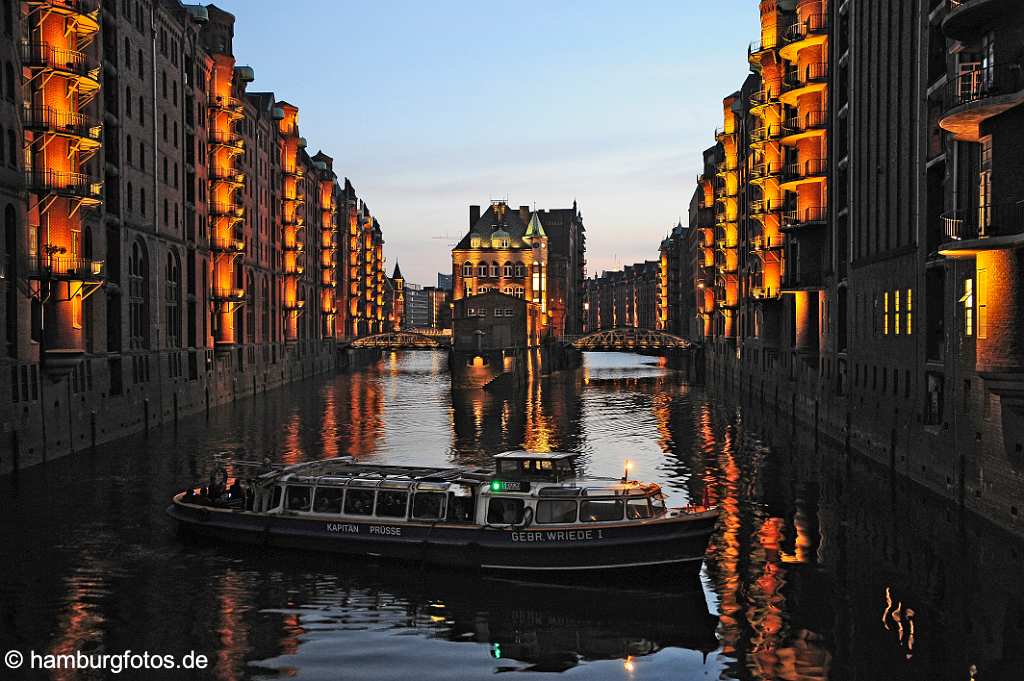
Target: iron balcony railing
<point>984,83</point>
<point>764,97</point>
<point>63,122</point>
<point>44,55</point>
<point>762,206</point>
<point>229,175</point>
<point>228,138</point>
<point>804,216</point>
<point>813,24</point>
<point>64,183</point>
<point>812,167</point>
<point>758,46</point>
<point>988,220</point>
<point>65,268</point>
<point>78,6</point>
<point>812,120</point>
<point>765,133</point>
<point>227,244</point>
<point>811,73</point>
<point>228,294</point>
<point>226,210</point>
<point>765,169</point>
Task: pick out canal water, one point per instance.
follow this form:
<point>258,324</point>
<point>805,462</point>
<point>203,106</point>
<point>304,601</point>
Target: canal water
<point>823,566</point>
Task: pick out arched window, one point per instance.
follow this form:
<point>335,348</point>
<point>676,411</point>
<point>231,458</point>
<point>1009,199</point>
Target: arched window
<point>520,272</point>
<point>131,198</point>
<point>142,200</point>
<point>494,269</point>
<point>481,270</point>
<point>467,269</point>
<point>142,110</point>
<point>127,53</point>
<point>128,101</point>
<point>138,293</point>
<point>128,150</point>
<point>142,155</point>
<point>173,298</point>
<point>12,149</point>
<point>2,147</point>
<point>508,269</point>
<point>141,65</point>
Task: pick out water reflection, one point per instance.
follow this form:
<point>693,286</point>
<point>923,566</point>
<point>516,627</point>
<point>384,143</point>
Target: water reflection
<point>822,567</point>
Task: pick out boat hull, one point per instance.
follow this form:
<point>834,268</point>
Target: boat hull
<point>677,542</point>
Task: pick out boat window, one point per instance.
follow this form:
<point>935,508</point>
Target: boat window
<point>600,510</point>
<point>460,509</point>
<point>359,501</point>
<point>637,509</point>
<point>298,498</point>
<point>428,506</point>
<point>556,511</point>
<point>392,504</point>
<point>505,511</point>
<point>328,499</point>
<point>658,503</point>
<point>276,502</point>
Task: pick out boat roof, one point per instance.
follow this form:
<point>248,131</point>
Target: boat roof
<point>345,467</point>
<point>522,454</point>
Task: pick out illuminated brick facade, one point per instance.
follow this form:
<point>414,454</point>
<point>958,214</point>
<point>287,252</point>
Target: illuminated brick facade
<point>879,216</point>
<point>168,242</point>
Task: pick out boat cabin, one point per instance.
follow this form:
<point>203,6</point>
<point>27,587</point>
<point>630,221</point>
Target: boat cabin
<point>552,466</point>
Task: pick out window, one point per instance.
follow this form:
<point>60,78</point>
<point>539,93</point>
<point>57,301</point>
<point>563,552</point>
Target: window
<point>173,297</point>
<point>637,509</point>
<point>127,53</point>
<point>910,311</point>
<point>142,156</point>
<point>505,511</point>
<point>982,295</point>
<point>392,504</point>
<point>328,499</point>
<point>601,510</point>
<point>359,501</point>
<point>520,271</point>
<point>10,81</point>
<point>428,506</point>
<point>551,511</point>
<point>12,149</point>
<point>467,269</point>
<point>494,269</point>
<point>128,101</point>
<point>508,269</point>
<point>142,110</point>
<point>138,62</point>
<point>138,291</point>
<point>297,498</point>
<point>131,198</point>
<point>481,271</point>
<point>1,145</point>
<point>896,326</point>
<point>885,314</point>
<point>968,302</point>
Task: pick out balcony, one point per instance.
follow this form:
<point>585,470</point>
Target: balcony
<point>327,279</point>
<point>84,16</point>
<point>761,208</point>
<point>810,124</point>
<point>725,167</point>
<point>328,240</point>
<point>763,98</point>
<point>812,30</point>
<point>80,127</point>
<point>756,50</point>
<point>230,105</point>
<point>227,176</point>
<point>64,62</point>
<point>802,172</point>
<point>226,210</point>
<point>297,247</point>
<point>294,305</point>
<point>765,170</point>
<point>967,19</point>
<point>804,217</point>
<point>231,245</point>
<point>763,245</point>
<point>978,95</point>
<point>79,186</point>
<point>227,139</point>
<point>766,133</point>
<point>811,79</point>
<point>62,268</point>
<point>988,227</point>
<point>227,295</point>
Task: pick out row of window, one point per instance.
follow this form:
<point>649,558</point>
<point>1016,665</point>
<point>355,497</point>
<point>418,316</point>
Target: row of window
<point>494,270</point>
<point>482,312</point>
<point>898,310</point>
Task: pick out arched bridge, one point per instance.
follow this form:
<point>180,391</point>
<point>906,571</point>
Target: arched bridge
<point>628,339</point>
<point>402,340</point>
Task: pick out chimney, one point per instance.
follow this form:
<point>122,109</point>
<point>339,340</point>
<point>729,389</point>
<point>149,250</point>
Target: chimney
<point>474,215</point>
<point>524,213</point>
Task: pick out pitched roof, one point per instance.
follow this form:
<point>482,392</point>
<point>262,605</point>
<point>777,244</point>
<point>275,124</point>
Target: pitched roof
<point>504,218</point>
<point>535,228</point>
<point>398,272</point>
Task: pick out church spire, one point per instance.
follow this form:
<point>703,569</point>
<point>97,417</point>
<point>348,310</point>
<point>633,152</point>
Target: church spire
<point>535,228</point>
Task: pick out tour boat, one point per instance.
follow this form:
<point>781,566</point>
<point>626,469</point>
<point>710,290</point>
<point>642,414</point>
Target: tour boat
<point>530,514</point>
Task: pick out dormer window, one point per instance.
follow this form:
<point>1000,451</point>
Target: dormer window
<point>474,241</point>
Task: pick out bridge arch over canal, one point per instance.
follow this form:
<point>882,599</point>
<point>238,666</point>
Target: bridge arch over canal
<point>629,339</point>
<point>402,340</point>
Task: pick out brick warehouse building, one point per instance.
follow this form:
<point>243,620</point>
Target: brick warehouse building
<point>630,297</point>
<point>859,223</point>
<point>169,243</point>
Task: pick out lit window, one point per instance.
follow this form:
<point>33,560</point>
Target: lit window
<point>494,269</point>
<point>968,302</point>
<point>910,311</point>
<point>982,292</point>
<point>467,269</point>
<point>885,314</point>
<point>508,270</point>
<point>896,326</point>
<point>481,271</point>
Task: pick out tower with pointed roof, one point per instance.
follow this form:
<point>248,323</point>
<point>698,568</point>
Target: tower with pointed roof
<point>398,313</point>
<point>538,240</point>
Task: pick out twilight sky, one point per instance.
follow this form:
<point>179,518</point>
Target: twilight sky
<point>431,107</point>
